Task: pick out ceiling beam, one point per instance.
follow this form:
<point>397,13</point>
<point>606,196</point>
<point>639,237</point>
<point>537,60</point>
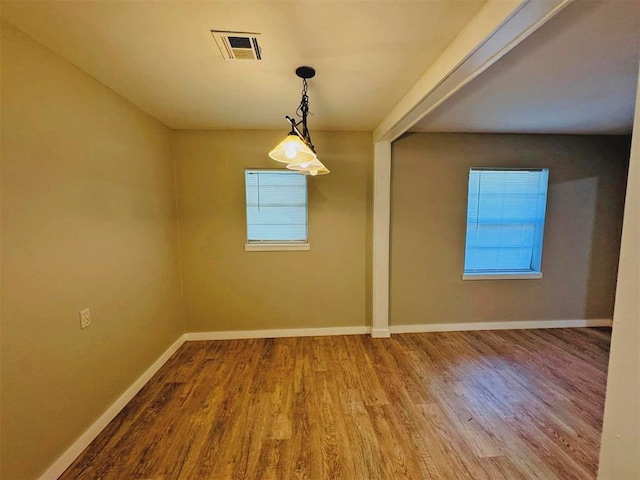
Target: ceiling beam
<point>497,28</point>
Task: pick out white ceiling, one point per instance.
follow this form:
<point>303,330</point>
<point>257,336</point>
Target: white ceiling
<point>576,74</point>
<point>161,56</point>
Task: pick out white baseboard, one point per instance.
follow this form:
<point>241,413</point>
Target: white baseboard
<point>385,333</point>
<point>513,325</point>
<point>277,333</point>
<point>380,332</point>
<point>67,458</point>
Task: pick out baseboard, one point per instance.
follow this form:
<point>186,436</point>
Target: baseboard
<point>512,325</point>
<point>277,333</point>
<point>380,333</point>
<point>67,458</point>
<point>385,333</point>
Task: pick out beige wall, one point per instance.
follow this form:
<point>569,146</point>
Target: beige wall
<point>620,450</point>
<point>88,220</point>
<point>227,288</point>
<point>582,231</point>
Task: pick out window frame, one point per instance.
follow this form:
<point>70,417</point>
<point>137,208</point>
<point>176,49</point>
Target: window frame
<point>276,245</point>
<point>508,274</point>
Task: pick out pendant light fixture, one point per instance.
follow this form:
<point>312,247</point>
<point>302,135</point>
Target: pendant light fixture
<point>297,149</point>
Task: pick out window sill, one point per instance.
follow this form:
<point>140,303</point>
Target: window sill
<point>276,247</point>
<point>502,276</point>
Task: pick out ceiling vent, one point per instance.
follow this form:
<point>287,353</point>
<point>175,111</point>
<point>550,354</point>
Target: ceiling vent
<point>238,45</point>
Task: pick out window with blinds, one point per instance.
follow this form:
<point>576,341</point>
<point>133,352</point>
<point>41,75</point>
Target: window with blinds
<point>276,206</point>
<point>505,222</point>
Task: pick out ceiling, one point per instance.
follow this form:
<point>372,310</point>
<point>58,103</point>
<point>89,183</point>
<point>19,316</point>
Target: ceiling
<point>576,74</point>
<point>161,56</point>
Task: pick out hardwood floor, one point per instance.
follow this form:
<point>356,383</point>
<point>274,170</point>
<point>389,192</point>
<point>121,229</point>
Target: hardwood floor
<point>523,404</point>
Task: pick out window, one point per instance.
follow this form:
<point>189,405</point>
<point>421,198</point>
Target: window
<point>276,210</point>
<point>505,223</point>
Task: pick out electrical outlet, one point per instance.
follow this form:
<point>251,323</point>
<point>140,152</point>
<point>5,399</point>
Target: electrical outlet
<point>85,318</point>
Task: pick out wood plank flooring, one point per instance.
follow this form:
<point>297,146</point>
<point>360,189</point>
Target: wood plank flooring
<point>522,404</point>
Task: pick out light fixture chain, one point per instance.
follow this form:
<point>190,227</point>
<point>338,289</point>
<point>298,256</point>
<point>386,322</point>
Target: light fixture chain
<point>303,108</point>
<point>303,111</point>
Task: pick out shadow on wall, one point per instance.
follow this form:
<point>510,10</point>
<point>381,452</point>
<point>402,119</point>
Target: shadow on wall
<point>595,221</point>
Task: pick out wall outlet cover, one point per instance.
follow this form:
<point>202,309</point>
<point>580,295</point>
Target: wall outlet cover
<point>85,318</point>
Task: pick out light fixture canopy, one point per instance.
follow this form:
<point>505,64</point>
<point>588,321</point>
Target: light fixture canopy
<point>297,149</point>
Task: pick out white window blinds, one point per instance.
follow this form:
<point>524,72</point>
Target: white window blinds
<point>505,220</point>
<point>276,206</point>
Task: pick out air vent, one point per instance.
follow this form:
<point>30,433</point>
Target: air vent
<point>238,45</point>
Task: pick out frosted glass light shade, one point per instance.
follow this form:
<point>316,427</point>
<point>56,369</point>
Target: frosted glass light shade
<point>313,168</point>
<point>292,150</point>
